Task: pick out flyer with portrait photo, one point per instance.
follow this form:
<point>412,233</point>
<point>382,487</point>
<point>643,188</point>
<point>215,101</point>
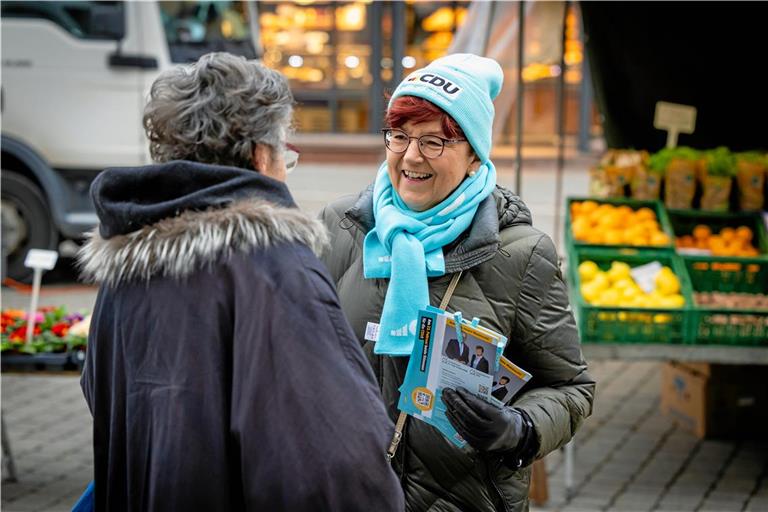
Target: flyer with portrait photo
<point>442,357</point>
<point>507,381</point>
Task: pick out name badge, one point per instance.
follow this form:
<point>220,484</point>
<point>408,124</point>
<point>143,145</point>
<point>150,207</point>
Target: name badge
<point>372,332</point>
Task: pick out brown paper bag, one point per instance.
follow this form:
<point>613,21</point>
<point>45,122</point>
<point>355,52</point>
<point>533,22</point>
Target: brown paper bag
<point>716,193</point>
<point>645,184</point>
<point>597,184</point>
<point>616,178</point>
<point>680,183</point>
<point>750,179</point>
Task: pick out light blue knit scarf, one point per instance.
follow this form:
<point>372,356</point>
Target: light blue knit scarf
<point>407,247</point>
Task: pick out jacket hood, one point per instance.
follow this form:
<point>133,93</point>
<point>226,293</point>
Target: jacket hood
<point>129,198</point>
<point>479,243</point>
<point>169,227</point>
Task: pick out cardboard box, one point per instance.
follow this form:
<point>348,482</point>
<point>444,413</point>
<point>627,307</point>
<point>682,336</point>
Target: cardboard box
<point>717,401</point>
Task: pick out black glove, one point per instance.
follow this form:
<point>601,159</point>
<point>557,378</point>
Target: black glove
<point>488,428</point>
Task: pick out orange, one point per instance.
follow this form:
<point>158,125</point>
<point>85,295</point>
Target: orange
<point>744,233</point>
<point>686,241</point>
<point>701,232</point>
<point>594,237</point>
<point>659,239</point>
<point>613,237</point>
<point>728,234</point>
<point>580,228</point>
<point>645,213</point>
<point>588,207</point>
<point>651,226</point>
<point>716,243</point>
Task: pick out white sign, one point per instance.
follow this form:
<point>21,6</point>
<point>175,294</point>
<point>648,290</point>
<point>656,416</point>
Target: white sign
<point>674,118</point>
<point>645,276</point>
<point>38,258</point>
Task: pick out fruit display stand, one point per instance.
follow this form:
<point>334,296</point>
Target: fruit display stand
<point>625,324</point>
<point>695,333</point>
<point>730,285</point>
<point>620,225</point>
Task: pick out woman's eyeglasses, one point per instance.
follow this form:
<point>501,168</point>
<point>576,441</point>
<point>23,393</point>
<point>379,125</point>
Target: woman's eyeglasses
<point>430,146</point>
<point>291,157</point>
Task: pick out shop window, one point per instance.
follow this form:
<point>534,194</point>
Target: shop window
<point>430,27</point>
<point>196,28</point>
<point>80,19</point>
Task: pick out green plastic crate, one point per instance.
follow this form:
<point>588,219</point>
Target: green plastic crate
<point>683,222</point>
<point>727,326</point>
<point>656,206</point>
<point>602,324</point>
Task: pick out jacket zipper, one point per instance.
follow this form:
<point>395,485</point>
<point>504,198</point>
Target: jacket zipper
<point>496,487</point>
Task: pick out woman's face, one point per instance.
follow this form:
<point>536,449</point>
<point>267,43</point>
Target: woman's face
<point>422,183</point>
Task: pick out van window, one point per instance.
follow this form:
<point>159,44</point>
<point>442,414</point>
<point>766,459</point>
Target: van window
<point>74,17</point>
<point>196,28</point>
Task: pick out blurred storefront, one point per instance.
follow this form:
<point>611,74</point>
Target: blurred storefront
<point>341,58</point>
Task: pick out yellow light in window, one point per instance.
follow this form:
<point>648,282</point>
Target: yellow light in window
<point>573,57</point>
<point>461,16</point>
<point>573,76</point>
<point>226,28</point>
<point>440,20</point>
<point>350,17</point>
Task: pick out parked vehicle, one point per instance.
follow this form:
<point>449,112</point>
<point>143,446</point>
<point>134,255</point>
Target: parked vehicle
<point>75,76</point>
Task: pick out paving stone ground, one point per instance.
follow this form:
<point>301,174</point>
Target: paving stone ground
<point>628,457</point>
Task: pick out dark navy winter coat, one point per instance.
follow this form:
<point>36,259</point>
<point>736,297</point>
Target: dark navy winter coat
<point>220,372</point>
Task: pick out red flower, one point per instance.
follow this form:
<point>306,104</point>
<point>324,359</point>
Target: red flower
<point>60,329</point>
<point>19,334</point>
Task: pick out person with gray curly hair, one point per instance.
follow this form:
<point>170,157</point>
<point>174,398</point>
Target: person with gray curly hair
<point>211,301</point>
<point>221,111</point>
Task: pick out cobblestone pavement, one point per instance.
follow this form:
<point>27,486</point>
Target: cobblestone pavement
<point>628,457</point>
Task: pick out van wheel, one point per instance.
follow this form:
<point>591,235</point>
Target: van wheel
<point>26,222</point>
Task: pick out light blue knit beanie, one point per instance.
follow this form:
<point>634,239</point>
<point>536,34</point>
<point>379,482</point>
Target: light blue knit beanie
<point>464,86</point>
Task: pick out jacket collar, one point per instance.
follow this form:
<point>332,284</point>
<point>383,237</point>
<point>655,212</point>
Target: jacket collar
<point>177,246</point>
<point>476,245</point>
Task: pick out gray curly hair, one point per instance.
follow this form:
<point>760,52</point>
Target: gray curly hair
<point>217,110</point>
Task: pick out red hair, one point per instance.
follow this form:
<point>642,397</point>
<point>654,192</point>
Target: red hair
<point>418,110</point>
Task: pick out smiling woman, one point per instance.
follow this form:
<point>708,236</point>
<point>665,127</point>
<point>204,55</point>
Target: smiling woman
<point>435,213</point>
<point>425,173</point>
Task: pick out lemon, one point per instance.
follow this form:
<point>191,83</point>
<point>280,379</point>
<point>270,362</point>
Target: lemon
<point>610,297</point>
<point>601,281</point>
<point>589,292</point>
<point>675,301</point>
<point>618,271</point>
<point>623,284</point>
<point>667,282</point>
<point>587,271</point>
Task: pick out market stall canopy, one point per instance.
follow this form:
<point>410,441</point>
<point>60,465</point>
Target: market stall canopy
<point>710,55</point>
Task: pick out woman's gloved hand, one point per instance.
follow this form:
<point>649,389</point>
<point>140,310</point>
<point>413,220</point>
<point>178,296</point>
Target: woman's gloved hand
<point>488,428</point>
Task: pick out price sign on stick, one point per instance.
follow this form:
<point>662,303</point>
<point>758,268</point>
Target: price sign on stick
<point>674,118</point>
<point>38,260</point>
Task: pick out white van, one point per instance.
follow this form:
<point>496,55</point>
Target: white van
<point>75,76</point>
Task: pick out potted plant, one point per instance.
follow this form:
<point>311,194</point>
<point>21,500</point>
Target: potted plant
<point>716,179</point>
<point>679,168</point>
<point>56,335</point>
<point>751,167</point>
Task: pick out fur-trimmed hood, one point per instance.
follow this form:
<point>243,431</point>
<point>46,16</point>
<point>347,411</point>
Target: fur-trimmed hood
<point>174,218</point>
<point>177,246</point>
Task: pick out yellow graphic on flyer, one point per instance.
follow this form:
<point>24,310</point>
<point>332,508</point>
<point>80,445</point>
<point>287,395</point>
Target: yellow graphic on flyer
<point>423,398</point>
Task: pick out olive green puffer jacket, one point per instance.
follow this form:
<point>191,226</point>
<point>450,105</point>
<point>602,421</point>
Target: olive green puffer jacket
<point>513,284</point>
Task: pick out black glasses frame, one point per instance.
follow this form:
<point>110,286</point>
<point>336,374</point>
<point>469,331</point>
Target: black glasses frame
<point>418,139</point>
